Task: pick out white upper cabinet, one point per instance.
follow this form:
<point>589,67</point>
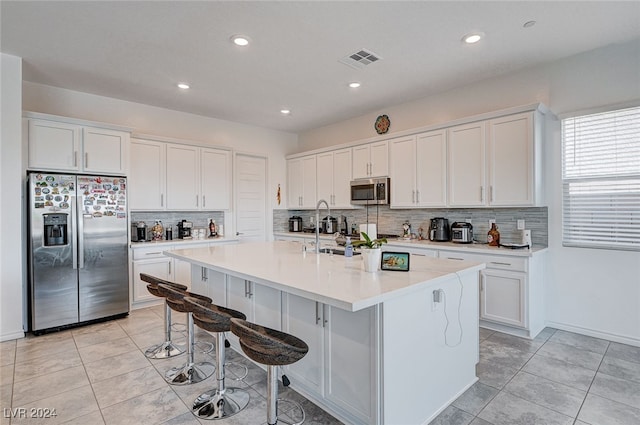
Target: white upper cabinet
<point>215,184</point>
<point>334,177</point>
<point>60,146</point>
<point>513,145</point>
<point>371,160</point>
<point>301,182</point>
<point>147,177</point>
<point>177,177</point>
<point>467,170</point>
<point>104,151</point>
<point>183,177</point>
<point>417,170</point>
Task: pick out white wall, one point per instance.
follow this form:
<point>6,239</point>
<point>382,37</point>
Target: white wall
<point>12,247</point>
<point>595,292</point>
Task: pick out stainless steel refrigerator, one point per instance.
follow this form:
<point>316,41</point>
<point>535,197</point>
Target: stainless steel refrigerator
<point>77,249</point>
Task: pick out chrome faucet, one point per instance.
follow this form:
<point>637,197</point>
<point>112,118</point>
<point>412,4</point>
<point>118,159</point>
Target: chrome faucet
<point>318,222</point>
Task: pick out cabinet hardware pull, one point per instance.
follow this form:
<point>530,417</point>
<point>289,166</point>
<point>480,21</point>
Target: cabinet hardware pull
<point>196,201</point>
<point>455,258</point>
<point>153,253</point>
<point>204,201</point>
<point>482,284</point>
<point>317,313</point>
<point>86,160</point>
<point>75,158</point>
<point>491,193</point>
<point>481,193</point>
<point>500,263</point>
<point>413,196</point>
<point>417,196</point>
<point>169,268</point>
<point>162,199</point>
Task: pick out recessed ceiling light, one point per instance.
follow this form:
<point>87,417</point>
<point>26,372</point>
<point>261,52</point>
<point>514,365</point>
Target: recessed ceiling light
<point>285,111</point>
<point>472,38</point>
<point>529,24</point>
<point>354,85</point>
<point>240,40</point>
<point>183,86</point>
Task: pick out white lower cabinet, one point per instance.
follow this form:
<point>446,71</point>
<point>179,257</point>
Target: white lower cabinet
<point>209,283</point>
<point>502,297</point>
<point>158,267</point>
<point>342,360</point>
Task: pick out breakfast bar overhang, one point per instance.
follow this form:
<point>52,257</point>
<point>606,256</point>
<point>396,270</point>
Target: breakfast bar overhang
<point>387,347</point>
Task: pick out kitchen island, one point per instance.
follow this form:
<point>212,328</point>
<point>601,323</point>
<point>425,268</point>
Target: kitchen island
<point>384,348</point>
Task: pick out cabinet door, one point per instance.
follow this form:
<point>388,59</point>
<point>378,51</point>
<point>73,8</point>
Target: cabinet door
<point>294,183</point>
<point>350,360</point>
<point>402,171</point>
<point>147,175</point>
<point>341,178</point>
<point>267,306</point>
<point>467,165</point>
<point>210,283</point>
<point>325,182</point>
<point>54,145</point>
<point>361,160</point>
<point>511,160</point>
<point>502,297</point>
<point>105,151</point>
<point>431,169</point>
<point>379,158</point>
<point>183,178</point>
<point>309,194</point>
<point>303,319</point>
<point>239,296</point>
<point>159,267</point>
<point>215,166</point>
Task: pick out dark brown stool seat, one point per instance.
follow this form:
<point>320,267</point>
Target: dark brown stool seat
<point>168,348</point>
<point>222,401</point>
<point>272,348</point>
<point>191,372</point>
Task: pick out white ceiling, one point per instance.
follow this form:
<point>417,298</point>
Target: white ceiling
<point>138,51</point>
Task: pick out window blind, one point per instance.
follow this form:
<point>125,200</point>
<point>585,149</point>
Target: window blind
<point>601,180</point>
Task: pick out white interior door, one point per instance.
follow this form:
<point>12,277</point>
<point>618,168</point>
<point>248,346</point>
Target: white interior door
<point>251,198</point>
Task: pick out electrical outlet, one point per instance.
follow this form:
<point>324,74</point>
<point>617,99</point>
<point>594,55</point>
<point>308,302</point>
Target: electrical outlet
<point>520,225</point>
<point>467,220</point>
<point>492,221</point>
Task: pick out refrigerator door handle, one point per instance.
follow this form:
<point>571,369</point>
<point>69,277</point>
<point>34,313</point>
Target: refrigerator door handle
<point>80,234</point>
<point>74,231</point>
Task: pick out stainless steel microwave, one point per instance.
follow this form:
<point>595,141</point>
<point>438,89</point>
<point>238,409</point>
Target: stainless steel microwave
<point>370,191</point>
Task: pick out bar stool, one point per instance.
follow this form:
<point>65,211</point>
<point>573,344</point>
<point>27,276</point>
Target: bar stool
<point>272,348</point>
<point>222,401</point>
<point>190,372</point>
<point>167,348</point>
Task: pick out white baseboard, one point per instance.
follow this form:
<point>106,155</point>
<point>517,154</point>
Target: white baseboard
<point>13,335</point>
<point>623,339</point>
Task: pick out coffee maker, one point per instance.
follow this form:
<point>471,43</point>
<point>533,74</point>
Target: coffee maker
<point>140,232</point>
<point>184,229</point>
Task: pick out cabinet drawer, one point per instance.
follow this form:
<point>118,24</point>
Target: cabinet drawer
<point>492,261</point>
<point>150,252</point>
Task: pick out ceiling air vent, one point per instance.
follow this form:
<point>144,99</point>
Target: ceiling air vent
<point>360,59</point>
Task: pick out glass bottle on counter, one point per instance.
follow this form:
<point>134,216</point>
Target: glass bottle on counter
<point>493,236</point>
<point>212,228</point>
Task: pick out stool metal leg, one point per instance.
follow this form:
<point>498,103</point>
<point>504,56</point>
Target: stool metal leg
<point>223,401</point>
<point>167,348</point>
<point>191,372</point>
<point>273,401</point>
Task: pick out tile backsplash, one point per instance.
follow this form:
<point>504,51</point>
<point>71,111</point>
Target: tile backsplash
<point>198,218</point>
<point>389,221</point>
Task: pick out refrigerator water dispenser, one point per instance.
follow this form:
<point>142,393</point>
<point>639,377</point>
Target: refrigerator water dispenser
<point>55,229</point>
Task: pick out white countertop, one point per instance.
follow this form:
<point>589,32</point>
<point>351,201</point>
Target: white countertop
<point>479,248</point>
<point>148,244</point>
<point>330,279</point>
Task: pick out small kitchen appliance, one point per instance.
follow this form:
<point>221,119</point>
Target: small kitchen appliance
<point>370,191</point>
<point>329,224</point>
<point>184,229</point>
<point>295,224</point>
<point>439,229</point>
<point>140,232</point>
<point>461,232</point>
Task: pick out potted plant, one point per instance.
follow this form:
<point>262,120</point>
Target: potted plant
<point>371,252</point>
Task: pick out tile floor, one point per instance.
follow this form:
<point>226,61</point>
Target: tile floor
<point>98,375</point>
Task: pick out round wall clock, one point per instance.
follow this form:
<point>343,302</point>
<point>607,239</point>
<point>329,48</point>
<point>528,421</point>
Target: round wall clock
<point>382,124</point>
